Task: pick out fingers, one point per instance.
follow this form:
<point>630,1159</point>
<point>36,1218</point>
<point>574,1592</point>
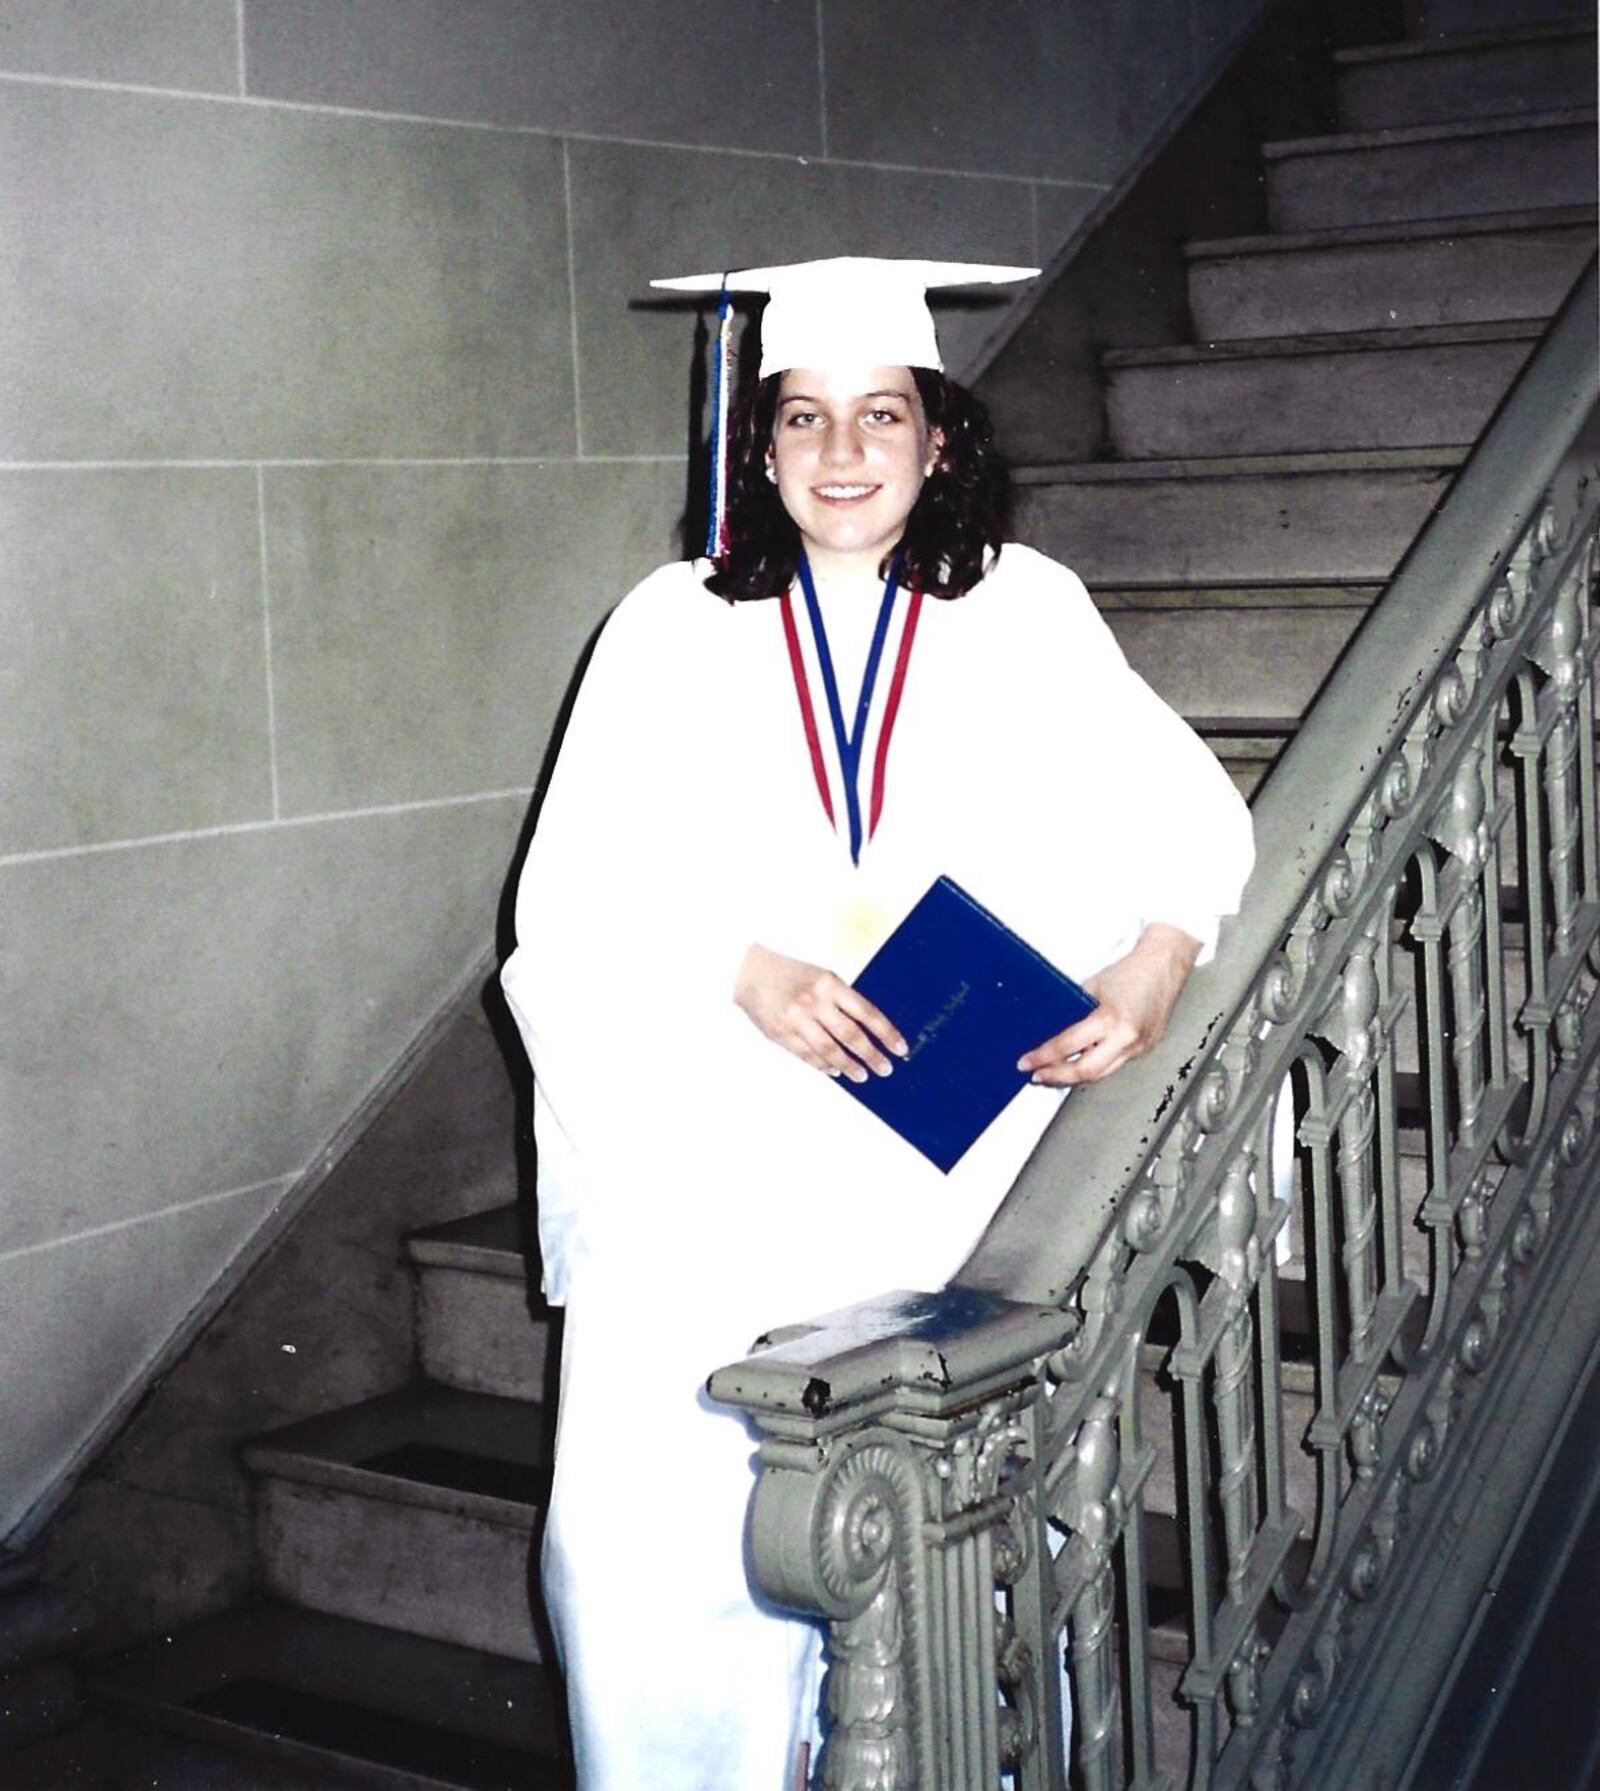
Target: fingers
<point>829,1025</point>
<point>877,1024</point>
<point>1076,1038</point>
<point>1093,1065</point>
<point>1089,1051</point>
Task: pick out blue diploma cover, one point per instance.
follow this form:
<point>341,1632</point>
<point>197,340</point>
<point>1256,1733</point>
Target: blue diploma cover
<point>970,998</point>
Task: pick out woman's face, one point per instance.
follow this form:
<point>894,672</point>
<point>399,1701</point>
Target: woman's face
<point>849,453</point>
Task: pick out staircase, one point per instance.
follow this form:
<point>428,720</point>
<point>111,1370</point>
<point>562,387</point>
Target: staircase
<point>1261,483</point>
<point>1264,478</point>
<point>393,1645</point>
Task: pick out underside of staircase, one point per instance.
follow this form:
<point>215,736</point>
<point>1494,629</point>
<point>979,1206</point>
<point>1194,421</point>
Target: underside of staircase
<point>1258,484</point>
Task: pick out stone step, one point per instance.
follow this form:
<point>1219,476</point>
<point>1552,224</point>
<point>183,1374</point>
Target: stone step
<point>415,1511</point>
<point>1351,594</point>
<point>1409,388</point>
<point>1432,171</point>
<point>480,1325</point>
<point>1431,271</point>
<point>1248,749</point>
<point>1454,18</point>
<point>1241,666</point>
<point>1287,518</point>
<point>1495,74</point>
<point>344,1703</point>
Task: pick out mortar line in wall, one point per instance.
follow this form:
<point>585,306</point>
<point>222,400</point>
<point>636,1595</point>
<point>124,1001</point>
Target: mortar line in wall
<point>198,466</point>
<point>822,83</point>
<point>572,296</point>
<point>266,638</point>
<point>238,44</point>
<point>258,102</point>
<point>227,829</point>
<point>164,1212</point>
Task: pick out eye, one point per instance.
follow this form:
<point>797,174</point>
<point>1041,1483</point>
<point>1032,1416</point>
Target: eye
<point>883,413</point>
<point>799,419</point>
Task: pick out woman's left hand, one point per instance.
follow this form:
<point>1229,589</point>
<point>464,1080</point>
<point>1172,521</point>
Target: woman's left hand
<point>1136,996</point>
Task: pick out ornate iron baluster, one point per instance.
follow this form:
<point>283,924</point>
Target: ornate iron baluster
<point>1461,830</point>
<point>1092,1511</point>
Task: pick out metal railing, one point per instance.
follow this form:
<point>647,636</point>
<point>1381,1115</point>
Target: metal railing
<point>1152,1469</point>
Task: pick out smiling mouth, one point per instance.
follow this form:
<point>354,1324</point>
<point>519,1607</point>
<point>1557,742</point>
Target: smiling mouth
<point>842,494</point>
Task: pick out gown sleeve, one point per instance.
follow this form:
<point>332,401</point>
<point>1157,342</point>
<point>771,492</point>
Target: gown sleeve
<point>628,917</point>
<point>1174,820</point>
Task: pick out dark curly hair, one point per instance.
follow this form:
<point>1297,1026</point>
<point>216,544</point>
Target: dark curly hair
<point>957,522</point>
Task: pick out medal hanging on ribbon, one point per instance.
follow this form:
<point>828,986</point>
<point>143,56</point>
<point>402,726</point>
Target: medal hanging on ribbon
<point>849,744</point>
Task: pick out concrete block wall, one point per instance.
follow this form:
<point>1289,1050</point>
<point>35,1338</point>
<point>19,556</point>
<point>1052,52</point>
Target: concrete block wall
<point>327,436</point>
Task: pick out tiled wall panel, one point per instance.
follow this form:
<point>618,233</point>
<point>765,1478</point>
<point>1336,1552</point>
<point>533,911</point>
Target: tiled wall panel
<point>1009,87</point>
<point>69,1305</point>
<point>134,681</point>
<point>426,620</point>
<point>726,72</point>
<point>190,44</point>
<point>1060,211</point>
<point>203,1015</point>
<point>201,280</point>
<point>644,212</point>
<point>291,283</point>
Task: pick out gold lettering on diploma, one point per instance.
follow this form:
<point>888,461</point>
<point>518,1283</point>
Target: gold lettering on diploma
<point>930,1029</point>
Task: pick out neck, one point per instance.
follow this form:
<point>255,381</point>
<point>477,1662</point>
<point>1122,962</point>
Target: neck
<point>845,574</point>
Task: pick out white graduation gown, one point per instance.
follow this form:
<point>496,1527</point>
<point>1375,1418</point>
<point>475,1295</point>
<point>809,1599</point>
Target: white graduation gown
<point>697,1184</point>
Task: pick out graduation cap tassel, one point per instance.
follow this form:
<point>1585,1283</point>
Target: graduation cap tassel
<point>722,378</point>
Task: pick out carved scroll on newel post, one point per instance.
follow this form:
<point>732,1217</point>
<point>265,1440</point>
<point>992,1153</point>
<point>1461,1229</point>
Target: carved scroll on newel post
<point>900,1500</point>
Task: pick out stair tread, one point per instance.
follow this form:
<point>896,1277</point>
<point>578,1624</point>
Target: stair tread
<point>332,1690</point>
<point>477,1454</point>
<point>489,1242</point>
<point>1420,230</point>
<point>1354,594</point>
<point>1240,466</point>
<point>1502,35</point>
<point>1397,136</point>
<point>1408,336</point>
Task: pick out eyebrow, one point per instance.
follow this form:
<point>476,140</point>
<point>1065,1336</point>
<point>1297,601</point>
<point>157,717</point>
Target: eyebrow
<point>882,392</point>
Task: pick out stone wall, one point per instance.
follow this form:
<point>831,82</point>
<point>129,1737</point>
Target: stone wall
<point>329,433</point>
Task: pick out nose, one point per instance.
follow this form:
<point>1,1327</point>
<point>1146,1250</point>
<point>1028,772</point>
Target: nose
<point>840,443</point>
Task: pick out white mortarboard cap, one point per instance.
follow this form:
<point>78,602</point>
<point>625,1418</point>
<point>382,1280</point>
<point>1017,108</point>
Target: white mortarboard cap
<point>850,311</point>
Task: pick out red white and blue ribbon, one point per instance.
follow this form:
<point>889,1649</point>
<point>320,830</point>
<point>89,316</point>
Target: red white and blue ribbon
<point>850,765</point>
<point>722,383</point>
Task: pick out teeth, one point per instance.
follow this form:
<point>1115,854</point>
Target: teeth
<point>843,491</point>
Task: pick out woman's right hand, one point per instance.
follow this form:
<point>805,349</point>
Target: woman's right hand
<point>816,1015</point>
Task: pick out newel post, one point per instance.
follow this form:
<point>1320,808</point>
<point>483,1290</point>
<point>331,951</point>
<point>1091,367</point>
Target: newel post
<point>900,1500</point>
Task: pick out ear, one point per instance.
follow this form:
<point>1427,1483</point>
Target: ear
<point>935,456</point>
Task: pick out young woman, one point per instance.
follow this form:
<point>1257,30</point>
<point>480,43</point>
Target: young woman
<point>772,756</point>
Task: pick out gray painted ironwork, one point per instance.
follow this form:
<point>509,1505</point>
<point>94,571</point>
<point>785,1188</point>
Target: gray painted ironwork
<point>1174,1425</point>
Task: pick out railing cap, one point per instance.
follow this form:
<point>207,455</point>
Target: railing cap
<point>938,1344</point>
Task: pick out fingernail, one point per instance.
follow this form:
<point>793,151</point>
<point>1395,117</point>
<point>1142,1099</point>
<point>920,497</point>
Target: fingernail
<point>887,1070</point>
<point>902,1049</point>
